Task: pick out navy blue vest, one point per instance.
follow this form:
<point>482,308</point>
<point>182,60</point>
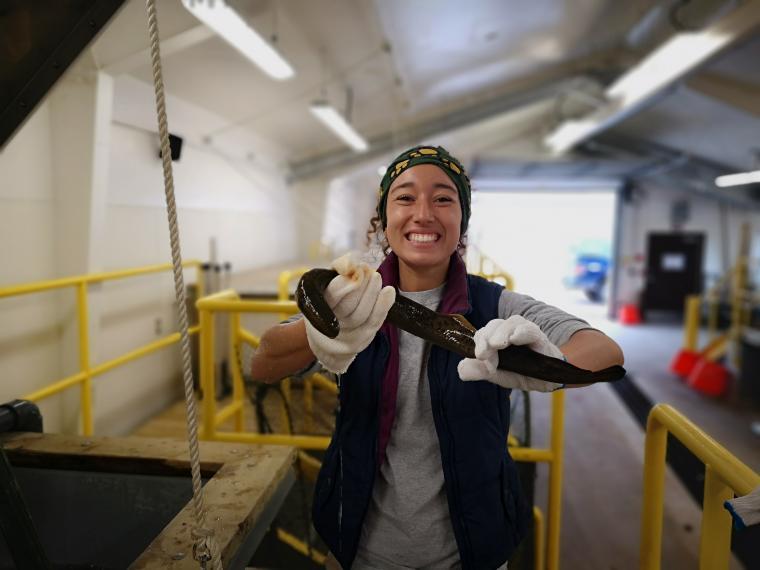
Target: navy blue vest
<point>488,513</point>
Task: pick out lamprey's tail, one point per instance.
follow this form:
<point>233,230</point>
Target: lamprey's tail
<point>447,331</point>
<point>525,361</point>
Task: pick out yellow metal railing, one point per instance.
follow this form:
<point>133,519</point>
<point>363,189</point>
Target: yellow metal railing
<point>283,294</point>
<point>486,267</point>
<point>735,282</point>
<point>87,371</point>
<point>538,538</point>
<point>553,455</point>
<point>497,276</point>
<point>229,302</point>
<point>725,476</point>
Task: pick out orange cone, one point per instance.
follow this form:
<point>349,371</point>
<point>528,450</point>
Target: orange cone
<point>684,362</point>
<point>710,378</point>
<point>629,314</point>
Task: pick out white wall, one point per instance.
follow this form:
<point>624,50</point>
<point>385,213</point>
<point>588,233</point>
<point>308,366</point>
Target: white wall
<point>29,337</point>
<point>243,203</point>
<point>216,200</point>
<point>349,205</point>
<point>309,197</point>
<point>244,208</point>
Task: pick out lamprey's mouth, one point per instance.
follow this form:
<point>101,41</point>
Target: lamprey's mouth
<point>452,332</point>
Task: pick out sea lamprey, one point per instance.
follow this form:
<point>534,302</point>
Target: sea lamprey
<point>452,332</point>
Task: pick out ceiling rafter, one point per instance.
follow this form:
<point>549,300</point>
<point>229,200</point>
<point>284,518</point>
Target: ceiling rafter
<point>389,141</point>
<point>741,95</point>
<point>628,94</point>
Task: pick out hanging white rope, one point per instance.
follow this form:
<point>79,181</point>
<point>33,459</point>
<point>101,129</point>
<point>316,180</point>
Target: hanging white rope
<point>205,549</point>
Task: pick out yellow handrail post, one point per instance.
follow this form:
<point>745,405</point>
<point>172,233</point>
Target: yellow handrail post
<point>726,476</point>
<point>84,359</point>
<point>200,291</point>
<point>739,286</point>
<point>538,538</point>
<point>206,319</point>
<point>285,409</point>
<point>283,280</point>
<point>554,511</point>
<point>283,294</point>
<point>308,404</point>
<point>655,446</point>
<point>712,316</point>
<point>714,554</point>
<point>691,326</point>
<point>237,373</point>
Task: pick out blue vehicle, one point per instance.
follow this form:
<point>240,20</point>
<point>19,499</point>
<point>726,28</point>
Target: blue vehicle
<point>590,275</point>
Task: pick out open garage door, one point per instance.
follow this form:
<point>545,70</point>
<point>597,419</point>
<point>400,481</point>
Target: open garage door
<point>557,245</point>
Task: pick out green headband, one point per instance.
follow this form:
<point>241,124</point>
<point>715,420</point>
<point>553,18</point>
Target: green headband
<point>427,155</point>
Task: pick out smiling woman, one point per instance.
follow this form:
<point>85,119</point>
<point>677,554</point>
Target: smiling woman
<point>424,217</point>
<point>417,474</point>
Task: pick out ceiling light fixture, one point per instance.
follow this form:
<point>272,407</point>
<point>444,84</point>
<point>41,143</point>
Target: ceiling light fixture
<point>228,24</point>
<point>338,125</point>
<point>738,179</point>
<point>673,60</point>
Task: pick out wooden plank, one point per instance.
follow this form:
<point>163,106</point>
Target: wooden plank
<point>244,480</point>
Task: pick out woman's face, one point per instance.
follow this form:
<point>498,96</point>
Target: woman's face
<point>424,217</point>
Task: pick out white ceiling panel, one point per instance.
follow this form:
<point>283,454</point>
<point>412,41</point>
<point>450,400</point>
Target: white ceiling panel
<point>406,63</point>
<point>448,49</point>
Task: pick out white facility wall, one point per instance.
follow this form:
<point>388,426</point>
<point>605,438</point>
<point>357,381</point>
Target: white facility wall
<point>218,198</point>
<point>29,337</point>
<point>349,205</point>
<point>245,206</point>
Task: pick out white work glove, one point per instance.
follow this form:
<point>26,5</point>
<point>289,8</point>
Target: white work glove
<point>745,510</point>
<point>360,303</point>
<point>501,333</point>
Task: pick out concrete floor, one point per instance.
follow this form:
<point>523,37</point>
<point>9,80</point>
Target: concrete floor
<point>604,452</point>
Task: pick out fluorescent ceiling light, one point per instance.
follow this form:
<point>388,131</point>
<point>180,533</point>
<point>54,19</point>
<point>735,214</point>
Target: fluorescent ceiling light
<point>337,124</point>
<point>738,179</point>
<point>236,32</point>
<point>671,61</point>
<point>667,64</point>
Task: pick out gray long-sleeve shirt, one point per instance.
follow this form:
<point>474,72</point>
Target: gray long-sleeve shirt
<point>408,524</point>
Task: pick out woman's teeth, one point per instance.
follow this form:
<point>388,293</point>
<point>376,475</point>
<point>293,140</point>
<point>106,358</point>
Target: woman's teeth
<point>423,237</point>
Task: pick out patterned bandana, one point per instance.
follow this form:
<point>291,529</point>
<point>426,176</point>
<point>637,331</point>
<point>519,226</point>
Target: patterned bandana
<point>427,155</point>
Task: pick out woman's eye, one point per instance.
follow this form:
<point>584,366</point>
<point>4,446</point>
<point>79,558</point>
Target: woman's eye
<point>404,198</point>
<point>444,199</point>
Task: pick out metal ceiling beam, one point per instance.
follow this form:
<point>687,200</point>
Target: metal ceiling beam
<point>390,141</point>
<point>490,169</point>
<point>673,168</point>
<point>739,94</point>
<point>56,43</point>
<point>679,56</point>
